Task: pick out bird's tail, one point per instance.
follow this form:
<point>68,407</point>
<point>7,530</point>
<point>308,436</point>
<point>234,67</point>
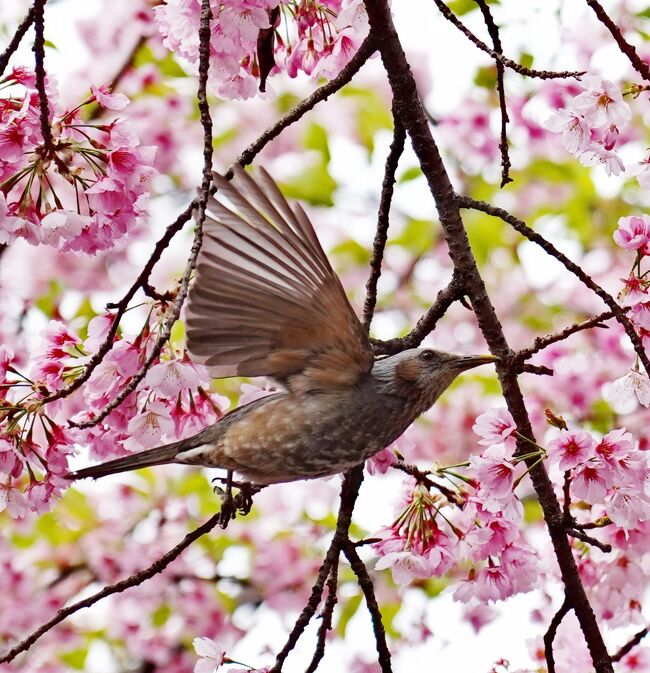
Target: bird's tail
<point>158,456</point>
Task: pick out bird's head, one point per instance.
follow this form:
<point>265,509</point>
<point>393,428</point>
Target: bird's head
<point>425,371</point>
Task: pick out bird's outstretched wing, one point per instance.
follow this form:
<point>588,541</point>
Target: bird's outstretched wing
<point>265,300</point>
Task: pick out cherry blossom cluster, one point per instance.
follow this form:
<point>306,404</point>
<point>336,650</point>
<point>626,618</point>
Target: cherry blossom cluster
<point>480,527</point>
<point>317,37</point>
<point>86,188</point>
<point>633,233</point>
<point>591,125</point>
<point>172,402</point>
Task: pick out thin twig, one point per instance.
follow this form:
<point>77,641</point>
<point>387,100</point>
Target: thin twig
<point>508,63</point>
<point>549,636</point>
<point>383,220</point>
<point>349,493</point>
<point>204,195</point>
<point>138,578</point>
<point>566,492</point>
<point>326,619</point>
<point>543,342</point>
<point>549,248</point>
<point>423,478</point>
<point>631,644</point>
<point>39,66</point>
<point>637,62</point>
<point>493,30</point>
<point>360,570</point>
<point>579,535</point>
<point>366,50</point>
<point>18,35</point>
<point>123,303</point>
<point>425,325</point>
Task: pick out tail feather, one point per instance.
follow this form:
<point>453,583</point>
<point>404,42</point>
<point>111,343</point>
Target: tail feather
<point>158,456</point>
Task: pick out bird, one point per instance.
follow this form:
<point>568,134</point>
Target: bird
<point>265,301</point>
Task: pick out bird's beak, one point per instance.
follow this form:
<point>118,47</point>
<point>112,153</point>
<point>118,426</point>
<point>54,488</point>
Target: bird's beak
<point>471,361</point>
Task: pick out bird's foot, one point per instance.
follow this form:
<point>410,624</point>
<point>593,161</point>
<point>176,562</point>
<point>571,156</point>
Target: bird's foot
<point>240,503</point>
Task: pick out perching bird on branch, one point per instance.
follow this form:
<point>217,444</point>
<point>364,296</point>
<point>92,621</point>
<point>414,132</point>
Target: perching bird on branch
<point>266,302</point>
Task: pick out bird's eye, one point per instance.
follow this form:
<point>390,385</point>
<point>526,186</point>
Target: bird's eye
<point>427,355</point>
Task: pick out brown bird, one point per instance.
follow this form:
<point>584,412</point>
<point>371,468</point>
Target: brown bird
<point>266,302</point>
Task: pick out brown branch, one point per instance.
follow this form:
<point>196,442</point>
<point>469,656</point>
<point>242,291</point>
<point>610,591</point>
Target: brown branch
<point>508,63</point>
<point>360,570</point>
<point>579,535</point>
<point>631,644</point>
<point>138,578</point>
<point>543,342</point>
<point>18,35</point>
<point>549,248</point>
<point>39,66</point>
<point>123,303</point>
<point>366,50</point>
<point>326,617</point>
<point>493,30</point>
<point>423,478</point>
<point>551,632</point>
<point>204,195</point>
<point>637,62</point>
<point>383,220</point>
<point>411,112</point>
<point>349,493</point>
<point>97,111</point>
<point>424,326</point>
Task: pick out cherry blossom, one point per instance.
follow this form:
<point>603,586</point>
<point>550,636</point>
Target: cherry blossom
<point>633,232</point>
<point>633,386</point>
<point>211,654</point>
<point>494,426</point>
<point>571,448</point>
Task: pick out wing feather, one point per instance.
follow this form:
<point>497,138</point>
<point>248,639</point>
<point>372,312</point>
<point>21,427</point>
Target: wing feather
<point>265,300</point>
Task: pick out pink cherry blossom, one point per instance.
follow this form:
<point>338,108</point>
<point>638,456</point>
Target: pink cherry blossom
<point>571,448</point>
<point>590,482</point>
<point>633,232</point>
<point>211,654</point>
<point>494,426</point>
<point>634,386</point>
<point>494,472</point>
<point>172,377</point>
<point>602,102</point>
<point>576,132</point>
<point>111,101</point>
<point>405,566</point>
<point>493,584</point>
<point>13,500</point>
<point>149,426</point>
<point>628,507</point>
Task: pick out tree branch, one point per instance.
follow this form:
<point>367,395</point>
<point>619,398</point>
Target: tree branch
<point>138,578</point>
<point>383,220</point>
<point>631,644</point>
<point>411,112</point>
<point>39,66</point>
<point>508,63</point>
<point>366,50</point>
<point>549,248</point>
<point>493,30</point>
<point>360,570</point>
<point>21,30</point>
<point>326,616</point>
<point>549,636</point>
<point>637,63</point>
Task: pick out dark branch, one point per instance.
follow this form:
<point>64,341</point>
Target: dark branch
<point>39,66</point>
<point>549,636</point>
<point>508,63</point>
<point>154,569</point>
<point>493,30</point>
<point>637,62</point>
<point>549,248</point>
<point>21,30</point>
<point>631,644</point>
<point>360,570</point>
<point>543,342</point>
<point>366,50</point>
<point>383,220</point>
<point>579,535</point>
<point>326,617</point>
<point>423,478</point>
<point>424,326</point>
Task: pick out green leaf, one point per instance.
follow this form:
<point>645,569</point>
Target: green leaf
<point>75,659</point>
<point>313,184</point>
<point>388,613</point>
<point>409,174</point>
<point>50,44</point>
<point>315,138</point>
<point>486,77</point>
<point>177,335</point>
<point>532,510</point>
<point>461,7</point>
<point>160,615</point>
<point>49,302</point>
<point>485,233</point>
<point>167,65</point>
<point>348,610</point>
<point>373,114</point>
<point>418,236</point>
<point>526,60</point>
